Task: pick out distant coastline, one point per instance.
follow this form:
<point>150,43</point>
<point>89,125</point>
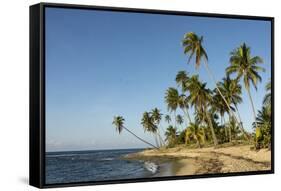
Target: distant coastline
<point>90,150</point>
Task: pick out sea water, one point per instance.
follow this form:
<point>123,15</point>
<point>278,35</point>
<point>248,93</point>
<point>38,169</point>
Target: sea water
<point>98,165</point>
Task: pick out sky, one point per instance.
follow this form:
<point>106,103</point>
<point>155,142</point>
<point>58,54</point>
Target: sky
<point>100,64</point>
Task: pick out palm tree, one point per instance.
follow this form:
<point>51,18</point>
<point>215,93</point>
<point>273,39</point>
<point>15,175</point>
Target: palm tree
<point>199,116</point>
<point>231,90</point>
<point>149,126</point>
<point>172,99</point>
<point>179,119</point>
<point>246,67</point>
<point>234,128</point>
<point>184,105</point>
<point>147,123</point>
<point>267,98</point>
<point>193,48</point>
<point>171,135</point>
<point>182,80</point>
<point>156,117</point>
<point>263,132</point>
<point>264,119</point>
<point>195,132</point>
<point>219,106</point>
<point>200,97</point>
<point>168,119</point>
<point>118,121</point>
<point>235,90</point>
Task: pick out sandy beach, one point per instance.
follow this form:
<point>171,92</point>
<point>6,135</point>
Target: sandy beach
<point>185,161</point>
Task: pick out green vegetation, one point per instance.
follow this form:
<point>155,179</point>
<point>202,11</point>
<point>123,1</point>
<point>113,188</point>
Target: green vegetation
<point>171,136</point>
<point>263,122</point>
<point>195,132</point>
<point>216,118</point>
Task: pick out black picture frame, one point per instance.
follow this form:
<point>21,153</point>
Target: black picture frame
<point>37,93</point>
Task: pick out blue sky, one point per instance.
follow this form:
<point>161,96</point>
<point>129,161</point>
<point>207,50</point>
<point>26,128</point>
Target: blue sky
<point>100,64</point>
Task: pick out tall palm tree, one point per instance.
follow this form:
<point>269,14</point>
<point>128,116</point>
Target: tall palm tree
<point>195,132</point>
<point>168,119</point>
<point>118,121</point>
<point>200,97</point>
<point>149,126</point>
<point>193,47</point>
<point>172,99</point>
<point>156,117</point>
<point>246,67</point>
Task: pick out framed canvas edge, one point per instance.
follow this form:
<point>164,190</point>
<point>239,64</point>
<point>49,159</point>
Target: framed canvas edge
<point>37,57</point>
<point>35,96</point>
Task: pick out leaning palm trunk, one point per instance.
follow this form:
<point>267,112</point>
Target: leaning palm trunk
<point>228,106</point>
<point>240,119</point>
<point>212,129</point>
<point>141,138</point>
<point>159,134</point>
<point>156,139</point>
<point>253,107</point>
<point>160,139</point>
<point>163,132</point>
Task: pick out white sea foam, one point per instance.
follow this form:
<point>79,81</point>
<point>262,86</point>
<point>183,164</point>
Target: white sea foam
<point>61,155</point>
<point>106,159</point>
<point>152,167</point>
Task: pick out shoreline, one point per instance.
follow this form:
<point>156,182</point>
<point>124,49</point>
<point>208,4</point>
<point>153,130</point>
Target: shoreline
<point>184,161</point>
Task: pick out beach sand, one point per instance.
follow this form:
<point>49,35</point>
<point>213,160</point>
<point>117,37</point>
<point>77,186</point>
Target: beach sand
<point>185,161</point>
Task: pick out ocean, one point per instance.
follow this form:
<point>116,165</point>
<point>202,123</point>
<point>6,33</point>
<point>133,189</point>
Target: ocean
<point>98,165</point>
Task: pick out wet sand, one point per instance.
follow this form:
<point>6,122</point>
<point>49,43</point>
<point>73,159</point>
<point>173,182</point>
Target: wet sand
<point>178,167</point>
<point>184,161</point>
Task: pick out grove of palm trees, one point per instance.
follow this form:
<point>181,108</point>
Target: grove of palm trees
<point>200,117</point>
